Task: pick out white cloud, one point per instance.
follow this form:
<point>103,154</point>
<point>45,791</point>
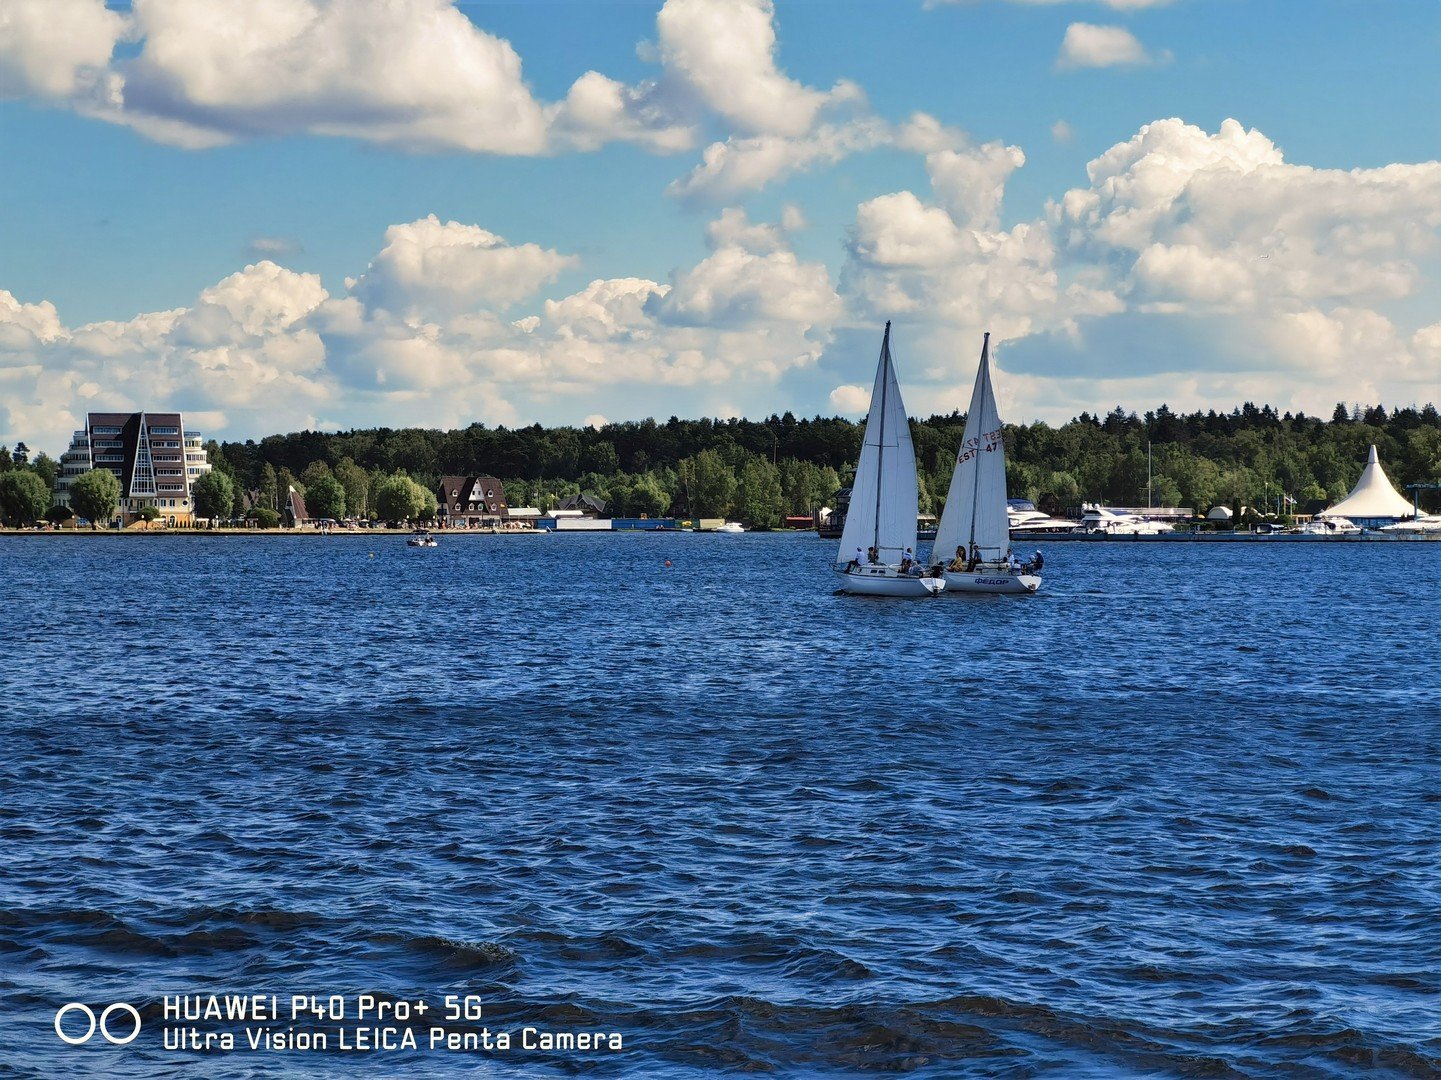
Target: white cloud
<point>725,51</point>
<point>54,48</point>
<point>431,269</point>
<point>740,165</point>
<point>850,399</point>
<point>598,110</point>
<point>1089,46</point>
<point>413,73</point>
<point>971,183</point>
<point>423,337</point>
<point>1063,133</point>
<point>1222,221</point>
<point>734,287</point>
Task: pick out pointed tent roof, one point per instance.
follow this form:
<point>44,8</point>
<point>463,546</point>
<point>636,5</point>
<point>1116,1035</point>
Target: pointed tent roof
<point>1373,496</point>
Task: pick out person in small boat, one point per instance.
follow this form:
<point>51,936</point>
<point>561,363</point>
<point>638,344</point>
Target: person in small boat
<point>1033,566</point>
<point>958,564</point>
<point>975,559</point>
<point>906,562</point>
<point>872,555</point>
<point>854,564</point>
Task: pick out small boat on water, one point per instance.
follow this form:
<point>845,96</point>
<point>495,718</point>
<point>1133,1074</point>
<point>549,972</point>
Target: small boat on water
<point>731,527</point>
<point>974,536</point>
<point>422,538</point>
<point>877,551</point>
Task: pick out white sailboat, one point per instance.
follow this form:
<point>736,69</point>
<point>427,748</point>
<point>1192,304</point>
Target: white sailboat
<point>974,536</point>
<point>876,556</point>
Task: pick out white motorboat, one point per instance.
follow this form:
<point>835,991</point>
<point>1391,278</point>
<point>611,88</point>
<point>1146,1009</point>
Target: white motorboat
<point>876,556</point>
<point>1331,526</point>
<point>1426,523</point>
<point>1105,521</point>
<point>1023,517</point>
<point>974,536</point>
<point>422,539</point>
<point>731,527</point>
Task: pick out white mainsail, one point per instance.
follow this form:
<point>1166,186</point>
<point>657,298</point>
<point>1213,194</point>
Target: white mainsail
<point>882,512</point>
<point>975,511</point>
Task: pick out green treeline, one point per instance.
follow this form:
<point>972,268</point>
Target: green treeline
<point>757,471</point>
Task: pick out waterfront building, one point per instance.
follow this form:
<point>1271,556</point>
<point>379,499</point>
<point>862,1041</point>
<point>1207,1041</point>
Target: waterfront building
<point>467,501</point>
<point>296,513</point>
<point>1373,501</point>
<point>153,456</point>
<point>587,503</point>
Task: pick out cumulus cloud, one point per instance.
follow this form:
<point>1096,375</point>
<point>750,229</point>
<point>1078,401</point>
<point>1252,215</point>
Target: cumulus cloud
<point>740,165</point>
<point>598,110</point>
<point>1283,275</point>
<point>244,349</point>
<point>424,337</point>
<point>412,74</point>
<point>1224,221</point>
<point>428,268</point>
<point>1089,46</point>
<point>55,48</point>
<point>850,399</point>
<point>725,51</point>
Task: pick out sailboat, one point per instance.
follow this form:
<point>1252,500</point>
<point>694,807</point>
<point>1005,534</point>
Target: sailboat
<point>974,536</point>
<point>876,556</point>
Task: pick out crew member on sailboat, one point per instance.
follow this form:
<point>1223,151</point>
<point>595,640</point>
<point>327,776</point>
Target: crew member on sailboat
<point>882,513</point>
<point>975,522</point>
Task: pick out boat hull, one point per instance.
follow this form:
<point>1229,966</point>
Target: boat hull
<point>886,581</point>
<point>1001,582</point>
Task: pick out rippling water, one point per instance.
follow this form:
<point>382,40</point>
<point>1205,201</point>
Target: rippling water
<point>1178,814</point>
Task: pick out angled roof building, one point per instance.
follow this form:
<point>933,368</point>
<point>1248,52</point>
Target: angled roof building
<point>152,455</point>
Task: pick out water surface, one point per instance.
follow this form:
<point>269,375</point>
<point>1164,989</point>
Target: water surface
<point>1177,815</point>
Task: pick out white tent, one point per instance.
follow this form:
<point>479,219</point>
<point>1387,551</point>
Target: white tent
<point>1373,496</point>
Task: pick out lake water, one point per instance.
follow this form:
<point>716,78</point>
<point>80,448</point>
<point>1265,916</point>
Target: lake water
<point>1176,815</point>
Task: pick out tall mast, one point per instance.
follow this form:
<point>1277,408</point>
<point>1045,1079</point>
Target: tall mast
<point>979,404</point>
<point>881,435</point>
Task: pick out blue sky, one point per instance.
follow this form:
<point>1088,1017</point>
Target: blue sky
<point>227,208</point>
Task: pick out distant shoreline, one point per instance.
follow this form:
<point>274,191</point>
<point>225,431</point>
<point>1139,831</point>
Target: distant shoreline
<point>1019,538</point>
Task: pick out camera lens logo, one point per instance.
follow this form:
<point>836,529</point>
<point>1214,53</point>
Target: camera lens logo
<point>87,1016</point>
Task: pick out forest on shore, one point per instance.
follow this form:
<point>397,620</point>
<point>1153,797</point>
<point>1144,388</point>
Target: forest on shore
<point>758,471</point>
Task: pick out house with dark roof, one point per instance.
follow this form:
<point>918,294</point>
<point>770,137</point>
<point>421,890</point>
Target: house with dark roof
<point>587,502</point>
<point>467,501</point>
<point>295,513</point>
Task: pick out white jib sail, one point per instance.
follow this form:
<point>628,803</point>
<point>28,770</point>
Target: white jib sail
<point>975,511</point>
<point>882,512</point>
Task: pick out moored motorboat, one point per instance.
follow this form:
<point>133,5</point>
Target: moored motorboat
<point>422,539</point>
<point>876,555</point>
